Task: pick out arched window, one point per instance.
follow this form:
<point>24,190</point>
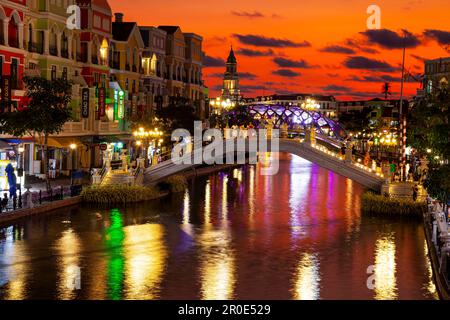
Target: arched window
<point>64,45</point>
<point>53,42</point>
<point>104,52</point>
<point>30,37</point>
<point>154,62</point>
<point>13,30</point>
<point>2,30</point>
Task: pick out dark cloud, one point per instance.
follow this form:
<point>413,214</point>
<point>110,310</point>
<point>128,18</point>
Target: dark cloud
<point>381,79</point>
<point>247,75</point>
<point>360,46</point>
<point>242,75</point>
<point>262,41</point>
<point>391,40</point>
<point>286,73</point>
<point>288,63</point>
<point>254,53</point>
<point>248,88</point>
<point>336,88</point>
<point>360,62</point>
<point>212,62</point>
<point>246,14</point>
<point>415,56</point>
<point>442,37</point>
<point>338,49</point>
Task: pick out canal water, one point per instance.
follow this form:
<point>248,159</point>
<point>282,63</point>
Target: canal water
<point>232,235</point>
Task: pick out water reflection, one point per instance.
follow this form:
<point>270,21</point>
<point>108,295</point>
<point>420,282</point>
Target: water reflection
<point>13,272</point>
<point>69,271</point>
<point>385,268</point>
<point>307,279</point>
<point>145,255</point>
<point>234,234</point>
<point>217,268</point>
<point>114,239</point>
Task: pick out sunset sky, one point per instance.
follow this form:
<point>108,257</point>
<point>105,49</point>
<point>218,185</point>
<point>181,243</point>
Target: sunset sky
<point>292,46</point>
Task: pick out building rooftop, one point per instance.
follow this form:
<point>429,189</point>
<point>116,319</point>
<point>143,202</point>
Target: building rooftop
<point>122,30</point>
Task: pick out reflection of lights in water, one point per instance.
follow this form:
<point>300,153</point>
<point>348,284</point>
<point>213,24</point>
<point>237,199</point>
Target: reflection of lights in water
<point>251,193</point>
<point>68,247</point>
<point>208,202</point>
<point>307,281</point>
<point>217,267</point>
<point>186,207</point>
<point>145,254</point>
<point>299,187</point>
<point>13,276</point>
<point>237,174</point>
<point>385,269</point>
<point>430,287</point>
<point>224,198</point>
<point>114,236</point>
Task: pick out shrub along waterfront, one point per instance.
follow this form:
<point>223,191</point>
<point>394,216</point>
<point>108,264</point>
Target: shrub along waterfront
<point>377,204</point>
<point>123,194</point>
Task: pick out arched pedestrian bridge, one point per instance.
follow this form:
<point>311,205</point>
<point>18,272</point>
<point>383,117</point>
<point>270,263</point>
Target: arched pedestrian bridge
<point>326,157</point>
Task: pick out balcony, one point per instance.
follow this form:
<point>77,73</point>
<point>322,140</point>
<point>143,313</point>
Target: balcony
<point>65,53</point>
<point>36,47</point>
<point>81,57</point>
<point>53,50</point>
<point>13,42</point>
<point>115,65</point>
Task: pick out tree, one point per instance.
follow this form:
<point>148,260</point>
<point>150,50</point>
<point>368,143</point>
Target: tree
<point>239,116</point>
<point>45,115</point>
<point>179,114</point>
<point>356,121</point>
<point>386,90</point>
<point>429,134</point>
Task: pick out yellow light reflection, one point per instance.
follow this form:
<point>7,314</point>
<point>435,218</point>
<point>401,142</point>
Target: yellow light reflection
<point>430,287</point>
<point>69,272</point>
<point>225,198</point>
<point>208,203</point>
<point>145,254</point>
<point>385,269</point>
<point>307,282</point>
<point>186,207</point>
<point>13,253</point>
<point>218,266</point>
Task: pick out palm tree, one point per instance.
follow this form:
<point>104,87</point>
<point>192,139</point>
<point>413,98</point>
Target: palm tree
<point>386,90</point>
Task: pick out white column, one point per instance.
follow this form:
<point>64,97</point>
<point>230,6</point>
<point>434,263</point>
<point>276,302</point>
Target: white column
<point>5,30</point>
<point>20,30</point>
<point>69,47</point>
<point>46,42</point>
<point>58,44</point>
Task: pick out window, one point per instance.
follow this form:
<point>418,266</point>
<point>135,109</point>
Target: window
<point>64,73</point>
<point>53,75</point>
<point>96,78</point>
<point>1,67</point>
<point>14,73</point>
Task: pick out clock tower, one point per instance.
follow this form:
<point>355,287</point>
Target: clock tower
<point>230,88</point>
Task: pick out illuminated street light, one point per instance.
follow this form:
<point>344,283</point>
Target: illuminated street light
<point>73,146</point>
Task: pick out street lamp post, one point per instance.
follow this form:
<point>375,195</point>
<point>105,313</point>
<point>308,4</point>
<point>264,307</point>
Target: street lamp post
<point>73,147</point>
<point>147,136</point>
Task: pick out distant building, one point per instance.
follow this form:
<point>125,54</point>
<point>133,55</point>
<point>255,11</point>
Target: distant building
<point>437,74</point>
<point>385,113</point>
